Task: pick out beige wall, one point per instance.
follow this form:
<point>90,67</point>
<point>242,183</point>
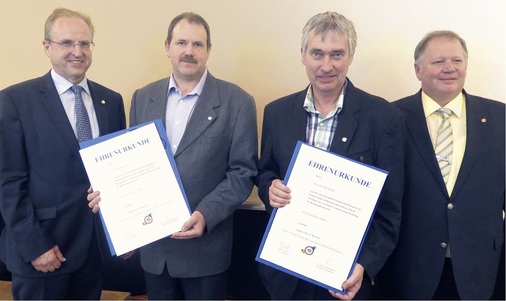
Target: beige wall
<point>256,43</point>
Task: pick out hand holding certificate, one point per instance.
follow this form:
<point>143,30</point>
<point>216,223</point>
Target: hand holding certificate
<point>142,196</point>
<point>317,237</point>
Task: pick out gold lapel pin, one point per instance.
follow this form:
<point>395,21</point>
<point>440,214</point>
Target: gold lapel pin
<point>483,120</point>
<point>102,102</point>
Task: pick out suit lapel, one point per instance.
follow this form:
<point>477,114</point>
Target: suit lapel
<point>203,114</point>
<point>52,102</point>
<point>157,105</point>
<point>475,137</point>
<point>419,133</point>
<point>346,122</point>
<point>297,119</point>
<point>100,106</point>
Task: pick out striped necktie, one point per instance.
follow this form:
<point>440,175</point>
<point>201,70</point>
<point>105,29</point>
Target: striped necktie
<point>83,127</point>
<point>444,143</point>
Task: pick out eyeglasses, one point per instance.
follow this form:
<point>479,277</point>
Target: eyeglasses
<point>69,44</point>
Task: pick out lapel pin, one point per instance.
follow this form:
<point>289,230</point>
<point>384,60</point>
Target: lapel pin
<point>102,102</point>
<point>209,118</point>
<point>483,120</point>
<point>344,139</point>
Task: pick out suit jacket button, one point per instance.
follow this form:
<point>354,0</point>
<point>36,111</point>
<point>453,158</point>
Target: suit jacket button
<point>450,206</point>
<point>443,245</point>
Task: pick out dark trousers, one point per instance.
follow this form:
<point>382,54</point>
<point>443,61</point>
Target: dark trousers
<point>165,287</point>
<point>83,284</point>
<point>283,286</point>
<point>500,290</point>
<point>447,288</point>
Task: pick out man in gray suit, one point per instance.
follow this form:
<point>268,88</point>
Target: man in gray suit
<point>211,126</point>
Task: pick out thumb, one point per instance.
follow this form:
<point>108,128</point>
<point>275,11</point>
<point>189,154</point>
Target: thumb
<point>59,254</point>
<point>188,224</point>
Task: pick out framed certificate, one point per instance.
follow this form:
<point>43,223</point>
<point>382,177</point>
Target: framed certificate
<point>142,197</point>
<point>318,236</point>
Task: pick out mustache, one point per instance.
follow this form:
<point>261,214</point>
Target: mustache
<point>188,59</point>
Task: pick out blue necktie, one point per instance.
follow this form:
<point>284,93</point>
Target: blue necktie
<point>82,121</point>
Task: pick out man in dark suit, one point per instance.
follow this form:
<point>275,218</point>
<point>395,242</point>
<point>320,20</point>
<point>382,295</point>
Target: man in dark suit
<point>49,242</point>
<point>211,126</point>
<point>452,224</point>
<point>4,273</point>
<point>334,115</point>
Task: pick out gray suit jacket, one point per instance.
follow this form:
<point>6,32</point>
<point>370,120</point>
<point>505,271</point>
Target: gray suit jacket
<point>216,160</point>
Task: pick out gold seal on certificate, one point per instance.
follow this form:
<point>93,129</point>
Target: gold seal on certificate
<point>318,236</point>
<point>142,197</point>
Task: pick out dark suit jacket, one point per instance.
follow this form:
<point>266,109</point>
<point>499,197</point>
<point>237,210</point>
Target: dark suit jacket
<point>216,160</point>
<point>43,182</point>
<point>473,225</point>
<point>374,130</point>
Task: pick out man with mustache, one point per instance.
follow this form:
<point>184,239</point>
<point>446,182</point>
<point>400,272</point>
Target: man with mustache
<point>212,131</point>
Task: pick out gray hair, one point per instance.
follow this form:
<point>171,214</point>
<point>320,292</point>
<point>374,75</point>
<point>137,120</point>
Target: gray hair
<point>326,22</point>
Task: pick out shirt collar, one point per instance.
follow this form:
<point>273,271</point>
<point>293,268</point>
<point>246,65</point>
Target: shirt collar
<point>309,101</point>
<point>62,84</point>
<point>430,105</point>
<point>197,90</point>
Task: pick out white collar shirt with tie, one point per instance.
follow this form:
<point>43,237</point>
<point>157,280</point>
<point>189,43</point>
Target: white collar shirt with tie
<point>458,124</point>
<point>67,97</point>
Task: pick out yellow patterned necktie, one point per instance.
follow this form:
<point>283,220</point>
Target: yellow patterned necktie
<point>444,143</point>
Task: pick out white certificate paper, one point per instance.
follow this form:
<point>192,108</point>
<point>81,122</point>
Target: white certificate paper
<point>318,236</point>
<point>142,198</point>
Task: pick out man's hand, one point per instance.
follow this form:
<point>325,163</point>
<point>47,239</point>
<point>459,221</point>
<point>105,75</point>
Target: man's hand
<point>279,194</point>
<point>194,227</point>
<point>351,285</point>
<point>93,199</point>
<point>127,255</point>
<point>49,261</point>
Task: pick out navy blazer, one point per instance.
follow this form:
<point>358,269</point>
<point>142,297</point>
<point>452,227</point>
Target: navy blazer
<point>369,130</point>
<point>216,160</point>
<point>470,220</point>
<point>43,183</point>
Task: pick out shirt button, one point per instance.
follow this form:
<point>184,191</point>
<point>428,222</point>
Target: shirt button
<point>450,206</point>
<point>443,245</point>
